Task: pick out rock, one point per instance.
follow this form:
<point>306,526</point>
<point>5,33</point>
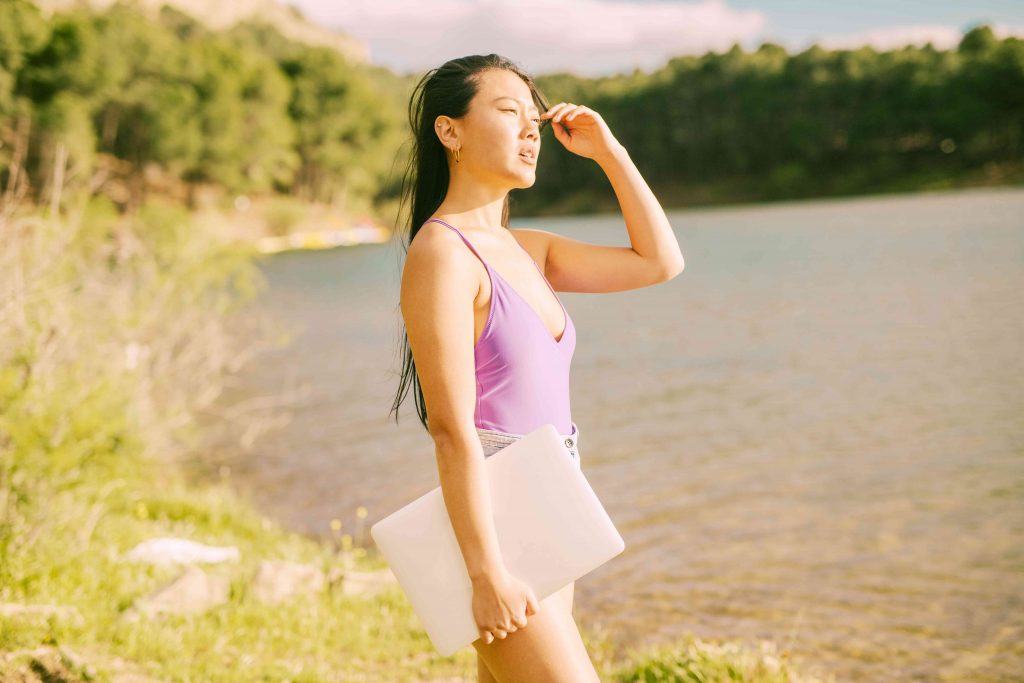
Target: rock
<point>335,575</point>
<point>169,550</point>
<point>367,583</point>
<point>45,663</point>
<point>276,580</point>
<point>14,609</point>
<point>194,591</point>
<point>61,663</point>
<point>74,660</point>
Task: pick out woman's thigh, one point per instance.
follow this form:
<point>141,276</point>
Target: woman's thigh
<point>549,650</point>
<point>484,674</point>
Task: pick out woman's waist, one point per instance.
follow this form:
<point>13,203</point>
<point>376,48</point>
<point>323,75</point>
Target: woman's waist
<point>494,440</point>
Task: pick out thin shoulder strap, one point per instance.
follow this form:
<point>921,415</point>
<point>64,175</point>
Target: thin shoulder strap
<point>468,244</point>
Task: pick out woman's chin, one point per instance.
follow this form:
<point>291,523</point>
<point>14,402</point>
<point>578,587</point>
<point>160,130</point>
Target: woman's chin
<point>528,177</point>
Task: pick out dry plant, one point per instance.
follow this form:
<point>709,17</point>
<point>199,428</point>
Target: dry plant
<point>118,331</point>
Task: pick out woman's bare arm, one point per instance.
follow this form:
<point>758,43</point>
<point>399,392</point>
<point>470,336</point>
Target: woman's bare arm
<point>437,294</point>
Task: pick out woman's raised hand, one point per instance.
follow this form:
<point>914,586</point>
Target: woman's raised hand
<point>581,130</point>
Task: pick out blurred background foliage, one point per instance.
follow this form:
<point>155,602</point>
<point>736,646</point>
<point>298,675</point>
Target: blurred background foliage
<point>143,105</point>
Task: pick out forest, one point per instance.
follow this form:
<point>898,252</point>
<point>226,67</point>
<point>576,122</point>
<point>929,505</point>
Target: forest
<point>115,103</point>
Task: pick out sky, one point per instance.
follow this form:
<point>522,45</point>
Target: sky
<point>601,37</point>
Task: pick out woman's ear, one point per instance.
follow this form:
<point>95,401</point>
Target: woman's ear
<point>445,130</point>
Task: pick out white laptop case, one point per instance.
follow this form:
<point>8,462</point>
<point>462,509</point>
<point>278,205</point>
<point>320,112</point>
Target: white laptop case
<point>551,528</point>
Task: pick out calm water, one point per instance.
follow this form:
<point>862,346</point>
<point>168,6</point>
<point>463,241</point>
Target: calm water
<point>814,435</point>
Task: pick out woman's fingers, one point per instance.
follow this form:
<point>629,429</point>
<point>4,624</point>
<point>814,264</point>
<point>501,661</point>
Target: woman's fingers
<point>577,110</point>
<point>517,622</point>
<point>566,114</point>
<point>556,112</point>
<point>532,606</point>
<point>553,110</point>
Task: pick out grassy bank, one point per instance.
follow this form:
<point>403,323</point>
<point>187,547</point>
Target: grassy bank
<point>119,330</point>
<point>791,184</point>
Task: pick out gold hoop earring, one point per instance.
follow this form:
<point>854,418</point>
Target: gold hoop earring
<point>457,150</point>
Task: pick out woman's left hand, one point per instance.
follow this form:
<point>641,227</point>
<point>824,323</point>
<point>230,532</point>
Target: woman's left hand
<point>581,130</point>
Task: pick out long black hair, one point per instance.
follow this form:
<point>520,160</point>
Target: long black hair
<point>444,91</point>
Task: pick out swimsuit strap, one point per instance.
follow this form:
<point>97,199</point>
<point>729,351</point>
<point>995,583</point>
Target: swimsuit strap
<point>468,243</point>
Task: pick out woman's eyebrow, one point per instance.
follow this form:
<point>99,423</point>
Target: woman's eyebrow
<point>508,97</point>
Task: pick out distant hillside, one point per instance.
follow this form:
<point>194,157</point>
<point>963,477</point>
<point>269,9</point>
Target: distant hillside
<point>220,14</point>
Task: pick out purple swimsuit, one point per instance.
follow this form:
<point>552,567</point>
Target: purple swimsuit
<point>522,372</point>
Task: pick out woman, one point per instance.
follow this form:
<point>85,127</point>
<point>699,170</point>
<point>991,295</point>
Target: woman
<point>488,342</point>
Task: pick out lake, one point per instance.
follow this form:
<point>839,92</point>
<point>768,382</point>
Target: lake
<point>813,435</point>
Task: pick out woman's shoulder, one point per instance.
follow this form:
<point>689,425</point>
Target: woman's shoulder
<point>534,241</point>
<point>436,241</point>
<point>438,251</point>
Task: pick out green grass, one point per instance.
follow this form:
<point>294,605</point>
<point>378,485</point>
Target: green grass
<point>700,661</point>
<point>324,637</point>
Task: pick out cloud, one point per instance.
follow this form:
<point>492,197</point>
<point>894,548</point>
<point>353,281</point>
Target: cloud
<point>893,37</point>
<point>588,37</point>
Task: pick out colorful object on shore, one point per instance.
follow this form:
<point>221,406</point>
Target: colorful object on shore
<point>360,233</point>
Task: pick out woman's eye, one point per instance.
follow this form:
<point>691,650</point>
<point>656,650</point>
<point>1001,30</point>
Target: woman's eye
<point>537,121</point>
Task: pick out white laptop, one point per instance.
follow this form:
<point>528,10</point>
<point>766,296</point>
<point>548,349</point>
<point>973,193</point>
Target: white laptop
<point>551,528</point>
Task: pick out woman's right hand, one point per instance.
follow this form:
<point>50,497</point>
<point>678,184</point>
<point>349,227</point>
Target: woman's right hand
<point>501,604</point>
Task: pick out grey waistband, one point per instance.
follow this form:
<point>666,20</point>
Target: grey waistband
<point>494,440</point>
